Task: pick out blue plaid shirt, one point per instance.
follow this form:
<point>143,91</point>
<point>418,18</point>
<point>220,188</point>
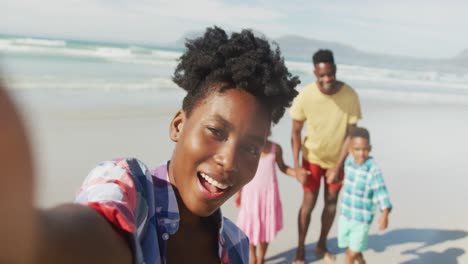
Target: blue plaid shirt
<point>363,188</point>
<point>143,204</point>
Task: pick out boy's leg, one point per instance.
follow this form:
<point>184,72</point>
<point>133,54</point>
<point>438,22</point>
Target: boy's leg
<point>358,241</point>
<point>252,254</point>
<point>360,258</point>
<point>352,256</point>
<point>311,190</point>
<point>262,248</point>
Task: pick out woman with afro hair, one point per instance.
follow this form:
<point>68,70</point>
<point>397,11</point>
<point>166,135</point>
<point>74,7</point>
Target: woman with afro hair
<point>237,87</point>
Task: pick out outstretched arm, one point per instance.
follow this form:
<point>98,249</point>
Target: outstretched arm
<point>282,166</point>
<point>66,234</point>
<point>18,224</point>
<point>74,233</point>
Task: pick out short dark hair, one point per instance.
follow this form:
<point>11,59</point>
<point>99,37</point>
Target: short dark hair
<point>242,61</point>
<point>323,55</point>
<point>360,132</point>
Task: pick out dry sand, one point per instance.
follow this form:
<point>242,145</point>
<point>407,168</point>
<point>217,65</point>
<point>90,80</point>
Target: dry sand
<point>421,148</point>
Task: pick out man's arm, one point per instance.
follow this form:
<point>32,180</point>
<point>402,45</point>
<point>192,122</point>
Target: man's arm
<point>74,233</point>
<point>333,173</point>
<point>301,173</point>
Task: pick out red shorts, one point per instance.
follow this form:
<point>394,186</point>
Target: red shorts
<point>316,174</point>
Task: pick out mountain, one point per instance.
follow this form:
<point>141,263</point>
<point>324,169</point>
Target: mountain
<point>301,49</point>
<point>463,54</point>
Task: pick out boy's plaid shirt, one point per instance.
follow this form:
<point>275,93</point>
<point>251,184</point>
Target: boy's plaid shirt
<point>143,204</point>
<point>363,188</point>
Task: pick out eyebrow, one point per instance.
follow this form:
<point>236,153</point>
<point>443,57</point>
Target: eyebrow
<point>223,121</point>
<point>258,139</point>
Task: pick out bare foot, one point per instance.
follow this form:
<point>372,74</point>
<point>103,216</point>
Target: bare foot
<point>325,254</point>
<point>300,255</point>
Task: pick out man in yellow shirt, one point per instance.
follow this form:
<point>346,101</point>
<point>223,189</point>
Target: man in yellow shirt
<point>329,108</point>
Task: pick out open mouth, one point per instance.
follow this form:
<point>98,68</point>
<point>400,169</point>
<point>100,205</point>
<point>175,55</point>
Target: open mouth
<point>211,185</point>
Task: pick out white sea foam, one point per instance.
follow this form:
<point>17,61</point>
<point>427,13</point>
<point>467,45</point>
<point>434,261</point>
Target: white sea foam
<point>50,83</point>
<point>146,68</point>
<point>124,54</point>
<point>39,42</point>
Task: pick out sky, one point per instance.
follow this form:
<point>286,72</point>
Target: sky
<point>430,28</point>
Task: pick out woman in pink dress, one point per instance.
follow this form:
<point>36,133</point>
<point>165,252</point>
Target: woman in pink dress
<point>261,214</point>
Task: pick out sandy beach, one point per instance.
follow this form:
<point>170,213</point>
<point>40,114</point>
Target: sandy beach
<point>419,144</point>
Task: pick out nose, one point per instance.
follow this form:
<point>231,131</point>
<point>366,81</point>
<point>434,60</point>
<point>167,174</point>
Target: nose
<point>226,157</point>
<point>329,79</point>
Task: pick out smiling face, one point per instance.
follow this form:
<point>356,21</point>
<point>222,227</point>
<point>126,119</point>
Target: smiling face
<point>218,147</point>
<point>360,149</point>
<point>326,77</point>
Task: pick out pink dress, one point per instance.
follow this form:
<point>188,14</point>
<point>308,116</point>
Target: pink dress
<point>261,213</point>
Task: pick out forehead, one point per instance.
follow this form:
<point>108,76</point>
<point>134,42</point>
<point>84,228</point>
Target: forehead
<point>237,107</point>
<point>324,67</point>
<point>359,141</point>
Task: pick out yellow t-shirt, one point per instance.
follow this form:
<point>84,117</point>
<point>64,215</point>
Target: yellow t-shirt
<point>326,119</point>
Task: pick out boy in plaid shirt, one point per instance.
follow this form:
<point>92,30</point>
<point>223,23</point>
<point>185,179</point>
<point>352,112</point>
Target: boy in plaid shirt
<point>363,189</point>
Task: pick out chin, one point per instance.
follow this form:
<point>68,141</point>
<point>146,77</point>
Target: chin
<point>203,210</point>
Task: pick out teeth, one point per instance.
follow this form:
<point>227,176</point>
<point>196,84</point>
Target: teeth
<point>213,181</point>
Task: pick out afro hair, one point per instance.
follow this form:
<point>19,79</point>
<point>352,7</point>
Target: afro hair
<point>242,61</point>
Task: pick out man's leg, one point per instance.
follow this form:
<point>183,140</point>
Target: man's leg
<point>328,215</point>
<point>308,204</point>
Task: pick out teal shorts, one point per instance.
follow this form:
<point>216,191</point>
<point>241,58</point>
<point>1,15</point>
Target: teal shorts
<point>352,235</point>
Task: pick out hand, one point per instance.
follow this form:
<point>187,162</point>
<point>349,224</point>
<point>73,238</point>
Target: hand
<point>332,175</point>
<point>237,200</point>
<point>383,222</point>
<point>301,174</point>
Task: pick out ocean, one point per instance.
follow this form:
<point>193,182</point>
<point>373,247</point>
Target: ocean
<point>60,73</point>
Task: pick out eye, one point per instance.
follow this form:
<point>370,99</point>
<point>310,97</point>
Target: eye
<point>252,150</point>
<point>219,134</point>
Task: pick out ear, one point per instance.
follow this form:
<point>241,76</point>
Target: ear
<point>177,125</point>
<point>370,148</point>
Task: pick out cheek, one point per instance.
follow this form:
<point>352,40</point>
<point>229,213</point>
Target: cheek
<point>248,169</point>
<point>198,140</point>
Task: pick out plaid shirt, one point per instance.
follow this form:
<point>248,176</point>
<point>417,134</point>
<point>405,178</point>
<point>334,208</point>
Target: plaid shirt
<point>363,188</point>
<point>143,204</point>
